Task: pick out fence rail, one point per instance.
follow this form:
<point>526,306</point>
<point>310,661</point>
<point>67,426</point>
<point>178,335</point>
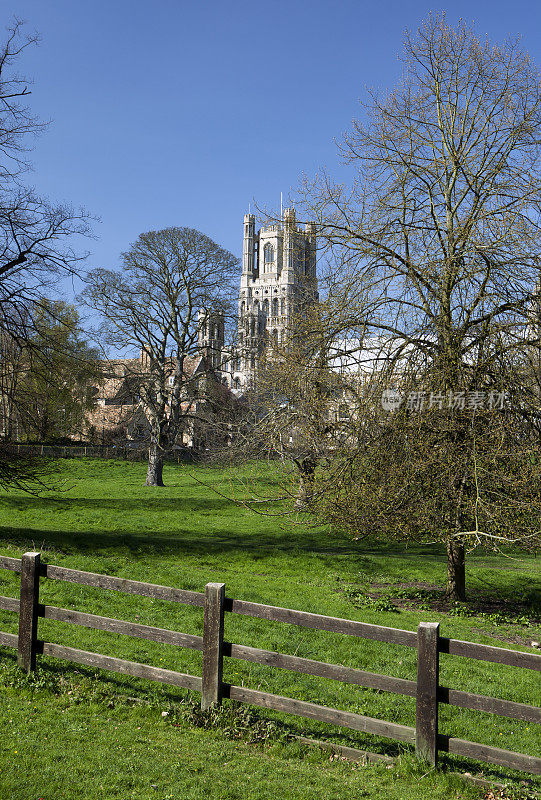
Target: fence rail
<point>429,695</point>
<point>138,452</point>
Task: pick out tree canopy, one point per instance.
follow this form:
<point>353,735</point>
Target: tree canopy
<point>438,238</point>
<point>172,283</point>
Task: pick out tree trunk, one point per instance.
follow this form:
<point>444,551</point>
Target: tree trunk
<point>456,571</point>
<point>307,469</point>
<point>155,466</point>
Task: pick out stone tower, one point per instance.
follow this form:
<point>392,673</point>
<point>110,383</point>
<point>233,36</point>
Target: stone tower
<point>211,337</point>
<point>278,280</point>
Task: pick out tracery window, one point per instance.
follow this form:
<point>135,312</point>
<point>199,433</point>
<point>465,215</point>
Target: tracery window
<point>268,256</point>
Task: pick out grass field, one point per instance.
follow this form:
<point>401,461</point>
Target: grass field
<point>186,535</point>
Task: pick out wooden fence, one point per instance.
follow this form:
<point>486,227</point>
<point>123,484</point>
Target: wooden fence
<point>124,452</point>
<point>426,689</point>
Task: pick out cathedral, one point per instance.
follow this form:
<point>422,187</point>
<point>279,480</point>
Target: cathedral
<point>278,279</point>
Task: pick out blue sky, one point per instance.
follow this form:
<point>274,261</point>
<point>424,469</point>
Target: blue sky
<point>182,113</point>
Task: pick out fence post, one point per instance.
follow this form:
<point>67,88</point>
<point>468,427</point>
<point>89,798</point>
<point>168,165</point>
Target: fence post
<point>213,640</point>
<point>28,612</point>
<point>426,725</point>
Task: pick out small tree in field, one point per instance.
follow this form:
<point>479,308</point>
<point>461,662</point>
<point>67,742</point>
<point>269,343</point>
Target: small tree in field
<point>171,283</point>
<point>55,373</point>
<point>442,239</point>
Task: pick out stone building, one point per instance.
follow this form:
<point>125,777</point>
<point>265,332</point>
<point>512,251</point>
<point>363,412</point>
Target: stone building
<point>118,413</point>
<point>278,279</point>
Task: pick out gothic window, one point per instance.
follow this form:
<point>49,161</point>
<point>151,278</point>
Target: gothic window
<point>266,307</point>
<point>283,307</point>
<point>268,256</point>
<point>242,308</point>
<point>307,259</point>
<point>252,327</point>
<point>275,307</point>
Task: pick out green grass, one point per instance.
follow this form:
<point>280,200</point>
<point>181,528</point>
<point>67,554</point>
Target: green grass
<point>134,753</point>
<point>186,535</point>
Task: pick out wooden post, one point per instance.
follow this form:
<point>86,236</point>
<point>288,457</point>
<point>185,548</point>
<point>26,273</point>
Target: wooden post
<point>28,612</point>
<point>213,640</point>
<point>426,727</point>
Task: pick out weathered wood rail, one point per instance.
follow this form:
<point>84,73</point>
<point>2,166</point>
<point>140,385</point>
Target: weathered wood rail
<point>427,641</point>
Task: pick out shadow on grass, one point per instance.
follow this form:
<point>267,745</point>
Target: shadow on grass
<point>196,541</point>
<point>182,542</point>
<point>162,504</point>
<point>368,558</point>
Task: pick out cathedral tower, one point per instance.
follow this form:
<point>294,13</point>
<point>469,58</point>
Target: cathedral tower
<point>278,280</point>
<point>211,337</point>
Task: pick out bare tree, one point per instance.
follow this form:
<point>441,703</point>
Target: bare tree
<point>297,415</point>
<point>173,283</point>
<point>441,236</point>
<point>35,235</point>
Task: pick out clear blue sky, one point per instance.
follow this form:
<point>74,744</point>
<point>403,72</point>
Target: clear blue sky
<point>181,113</point>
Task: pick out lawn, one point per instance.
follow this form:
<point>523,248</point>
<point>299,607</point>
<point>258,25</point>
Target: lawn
<point>186,535</point>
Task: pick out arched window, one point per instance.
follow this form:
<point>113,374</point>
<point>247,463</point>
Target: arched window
<point>242,308</point>
<point>283,307</point>
<point>252,327</point>
<point>266,307</point>
<point>275,307</point>
<point>256,307</point>
<point>268,256</point>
